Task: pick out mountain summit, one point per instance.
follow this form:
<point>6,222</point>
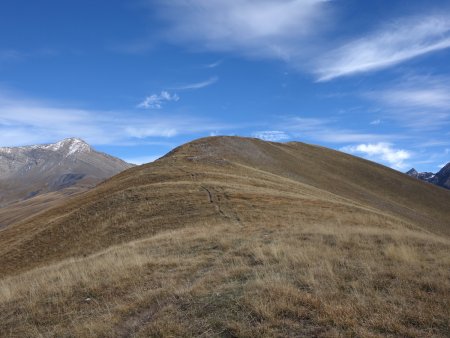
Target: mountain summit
<point>441,178</point>
<point>32,170</point>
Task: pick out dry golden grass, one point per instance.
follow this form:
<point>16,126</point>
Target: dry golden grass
<point>235,238</point>
<point>297,279</point>
<point>23,209</point>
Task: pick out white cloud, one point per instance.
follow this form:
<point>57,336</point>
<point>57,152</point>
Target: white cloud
<point>24,121</point>
<point>199,85</point>
<point>430,143</point>
<point>381,152</point>
<point>271,135</point>
<point>423,97</point>
<point>303,33</point>
<point>265,28</point>
<point>375,122</point>
<point>391,45</point>
<point>292,31</point>
<point>419,102</point>
<point>155,101</point>
<point>325,130</point>
<point>214,64</point>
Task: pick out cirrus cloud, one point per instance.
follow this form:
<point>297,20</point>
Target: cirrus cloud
<point>394,43</point>
<point>265,28</point>
<point>156,101</point>
<point>296,31</point>
<point>29,121</point>
<point>417,102</point>
<point>199,85</point>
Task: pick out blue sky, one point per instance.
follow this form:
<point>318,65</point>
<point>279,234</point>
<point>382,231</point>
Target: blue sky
<point>136,78</point>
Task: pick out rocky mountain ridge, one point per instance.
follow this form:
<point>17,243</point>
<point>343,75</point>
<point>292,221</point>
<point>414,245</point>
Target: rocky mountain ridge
<point>441,178</point>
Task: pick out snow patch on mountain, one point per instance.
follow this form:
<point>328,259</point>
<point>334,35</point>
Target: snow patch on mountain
<point>441,178</point>
<point>69,146</point>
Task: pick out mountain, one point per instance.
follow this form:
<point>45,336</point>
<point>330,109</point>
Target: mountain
<point>235,237</point>
<point>441,178</point>
<point>424,176</point>
<point>28,171</point>
<point>67,167</point>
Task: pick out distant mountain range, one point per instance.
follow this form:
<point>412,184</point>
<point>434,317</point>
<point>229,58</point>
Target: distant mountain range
<point>33,176</point>
<point>441,178</point>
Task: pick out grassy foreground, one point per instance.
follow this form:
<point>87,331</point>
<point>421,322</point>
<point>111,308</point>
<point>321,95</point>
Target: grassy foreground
<point>296,279</point>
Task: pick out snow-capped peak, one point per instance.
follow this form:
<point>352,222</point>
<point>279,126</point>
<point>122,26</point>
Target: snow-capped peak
<point>77,145</point>
<point>72,145</point>
<point>69,146</point>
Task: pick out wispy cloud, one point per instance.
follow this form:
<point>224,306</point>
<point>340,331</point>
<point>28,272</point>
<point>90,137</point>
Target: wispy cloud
<point>394,43</point>
<point>419,102</point>
<point>266,28</point>
<point>432,142</point>
<point>375,122</point>
<point>28,121</point>
<point>10,55</point>
<point>296,31</point>
<point>384,152</point>
<point>214,64</point>
<point>421,97</point>
<point>272,135</point>
<point>156,101</point>
<point>325,130</point>
<point>199,85</point>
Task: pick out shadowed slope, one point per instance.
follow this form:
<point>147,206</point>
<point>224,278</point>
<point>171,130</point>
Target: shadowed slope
<point>21,210</point>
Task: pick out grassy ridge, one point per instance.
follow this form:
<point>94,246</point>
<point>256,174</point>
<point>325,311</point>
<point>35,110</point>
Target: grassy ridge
<point>235,237</point>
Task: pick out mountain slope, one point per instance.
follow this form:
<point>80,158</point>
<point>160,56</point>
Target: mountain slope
<point>441,178</point>
<point>257,237</point>
<point>35,178</point>
<point>28,171</point>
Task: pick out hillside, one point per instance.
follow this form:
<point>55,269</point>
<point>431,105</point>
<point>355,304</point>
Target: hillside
<point>229,236</point>
<point>20,210</point>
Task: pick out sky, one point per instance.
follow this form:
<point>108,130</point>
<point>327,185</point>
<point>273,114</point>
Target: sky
<point>137,78</point>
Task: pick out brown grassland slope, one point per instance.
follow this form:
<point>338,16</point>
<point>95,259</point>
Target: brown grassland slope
<point>23,209</point>
<point>235,237</point>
